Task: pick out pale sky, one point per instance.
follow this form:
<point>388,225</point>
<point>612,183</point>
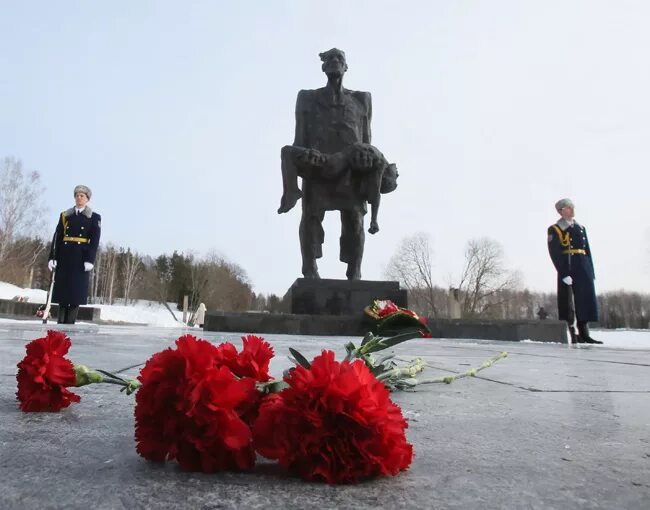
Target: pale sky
<point>174,114</point>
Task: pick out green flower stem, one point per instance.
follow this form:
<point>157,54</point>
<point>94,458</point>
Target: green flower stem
<point>409,371</point>
<point>469,373</point>
<point>85,376</point>
<point>379,343</point>
<point>273,386</point>
<point>372,343</point>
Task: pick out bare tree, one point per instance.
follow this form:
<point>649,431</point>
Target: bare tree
<point>107,270</point>
<point>484,279</point>
<point>20,213</point>
<point>131,268</point>
<point>95,276</point>
<point>30,250</point>
<point>227,286</point>
<point>621,309</point>
<point>164,275</point>
<point>411,265</point>
<point>20,261</point>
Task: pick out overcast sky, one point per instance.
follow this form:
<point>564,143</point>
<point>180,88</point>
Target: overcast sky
<point>174,114</point>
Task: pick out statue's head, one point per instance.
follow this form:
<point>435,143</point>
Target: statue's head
<point>389,179</point>
<point>333,62</point>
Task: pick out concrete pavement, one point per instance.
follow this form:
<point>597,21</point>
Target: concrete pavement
<point>551,426</point>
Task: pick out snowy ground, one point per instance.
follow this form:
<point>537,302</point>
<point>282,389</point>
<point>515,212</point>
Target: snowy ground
<point>618,338</point>
<point>142,312</point>
<point>149,313</point>
<point>155,314</point>
<point>9,291</point>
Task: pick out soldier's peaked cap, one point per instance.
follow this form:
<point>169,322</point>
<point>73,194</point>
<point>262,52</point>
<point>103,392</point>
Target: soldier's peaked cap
<point>562,203</point>
<point>83,189</point>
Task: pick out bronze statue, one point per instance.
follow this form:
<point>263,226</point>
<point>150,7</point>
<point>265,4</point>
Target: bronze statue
<point>339,168</point>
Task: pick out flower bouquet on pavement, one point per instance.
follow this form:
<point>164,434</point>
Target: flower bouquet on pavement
<point>213,408</point>
<point>391,320</point>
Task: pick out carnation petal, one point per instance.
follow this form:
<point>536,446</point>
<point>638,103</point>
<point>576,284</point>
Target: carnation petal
<point>346,435</point>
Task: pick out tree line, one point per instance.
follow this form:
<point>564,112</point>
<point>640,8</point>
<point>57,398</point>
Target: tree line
<point>123,276</point>
<point>485,288</point>
<point>120,275</point>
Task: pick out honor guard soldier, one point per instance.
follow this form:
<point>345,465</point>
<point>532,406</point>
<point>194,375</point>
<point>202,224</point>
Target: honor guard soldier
<point>72,255</point>
<point>569,249</point>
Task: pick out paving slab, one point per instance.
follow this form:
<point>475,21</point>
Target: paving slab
<point>551,426</point>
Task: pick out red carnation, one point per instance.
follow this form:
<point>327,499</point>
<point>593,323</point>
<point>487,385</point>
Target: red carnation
<point>253,361</point>
<point>187,406</point>
<point>44,373</point>
<point>386,307</point>
<point>335,423</point>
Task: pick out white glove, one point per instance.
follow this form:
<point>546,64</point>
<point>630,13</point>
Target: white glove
<point>51,264</point>
<point>568,280</point>
<point>88,266</point>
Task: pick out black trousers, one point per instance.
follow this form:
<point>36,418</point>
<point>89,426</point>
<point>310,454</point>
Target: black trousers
<point>67,314</point>
<point>566,308</point>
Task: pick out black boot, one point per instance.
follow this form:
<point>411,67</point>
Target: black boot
<point>72,314</point>
<point>574,338</point>
<point>61,318</point>
<point>583,332</point>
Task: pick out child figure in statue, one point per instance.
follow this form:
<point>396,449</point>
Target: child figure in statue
<point>361,168</point>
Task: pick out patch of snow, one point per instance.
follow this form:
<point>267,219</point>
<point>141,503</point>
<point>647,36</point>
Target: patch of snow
<point>9,291</point>
<point>623,338</point>
<point>141,312</point>
<point>529,341</point>
<point>615,338</point>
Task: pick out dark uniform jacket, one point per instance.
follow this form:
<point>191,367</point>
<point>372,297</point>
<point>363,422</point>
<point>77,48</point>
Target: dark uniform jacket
<point>330,128</point>
<point>75,241</point>
<point>569,249</point>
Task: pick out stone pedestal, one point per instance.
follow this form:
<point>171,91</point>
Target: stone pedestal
<point>357,325</point>
<point>340,297</point>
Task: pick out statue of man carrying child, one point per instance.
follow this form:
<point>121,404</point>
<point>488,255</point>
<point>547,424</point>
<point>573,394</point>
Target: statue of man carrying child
<point>340,169</point>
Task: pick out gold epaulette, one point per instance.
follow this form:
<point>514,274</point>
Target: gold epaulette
<point>565,240</point>
<point>64,220</point>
